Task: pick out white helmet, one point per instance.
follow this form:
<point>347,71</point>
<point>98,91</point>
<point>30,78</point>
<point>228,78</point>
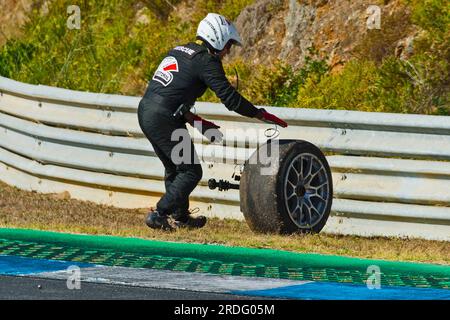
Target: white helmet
<point>217,31</point>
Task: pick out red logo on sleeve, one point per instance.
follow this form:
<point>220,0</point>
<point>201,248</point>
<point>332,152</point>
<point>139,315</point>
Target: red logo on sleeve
<point>164,73</point>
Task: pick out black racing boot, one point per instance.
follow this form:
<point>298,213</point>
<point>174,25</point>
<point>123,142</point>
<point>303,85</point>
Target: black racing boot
<point>190,222</point>
<point>155,220</point>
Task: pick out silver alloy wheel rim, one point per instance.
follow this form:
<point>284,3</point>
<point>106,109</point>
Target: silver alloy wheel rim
<point>306,190</point>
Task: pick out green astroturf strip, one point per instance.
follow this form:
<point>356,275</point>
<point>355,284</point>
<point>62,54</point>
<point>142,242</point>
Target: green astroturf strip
<point>133,252</point>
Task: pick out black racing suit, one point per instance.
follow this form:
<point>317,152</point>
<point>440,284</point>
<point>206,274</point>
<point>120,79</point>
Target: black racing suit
<point>182,77</point>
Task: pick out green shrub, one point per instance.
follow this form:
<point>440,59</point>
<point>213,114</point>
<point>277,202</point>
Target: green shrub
<point>432,15</point>
<point>276,84</point>
<point>432,49</point>
<point>348,90</point>
<point>395,86</point>
<point>414,86</point>
<point>13,55</point>
<point>114,54</point>
<point>110,49</point>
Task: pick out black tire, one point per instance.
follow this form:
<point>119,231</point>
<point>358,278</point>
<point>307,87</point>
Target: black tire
<point>268,201</point>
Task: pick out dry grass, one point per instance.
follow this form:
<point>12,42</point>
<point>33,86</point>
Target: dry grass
<point>22,209</point>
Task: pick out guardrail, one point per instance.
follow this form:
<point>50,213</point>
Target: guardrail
<point>391,172</point>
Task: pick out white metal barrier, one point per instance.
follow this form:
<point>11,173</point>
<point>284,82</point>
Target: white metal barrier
<point>391,172</point>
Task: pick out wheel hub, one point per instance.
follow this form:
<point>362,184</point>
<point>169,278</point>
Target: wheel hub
<point>301,191</point>
<point>306,190</point>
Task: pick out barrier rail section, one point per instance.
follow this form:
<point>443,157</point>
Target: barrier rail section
<point>391,172</point>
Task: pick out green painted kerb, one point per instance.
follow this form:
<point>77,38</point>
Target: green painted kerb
<point>233,257</point>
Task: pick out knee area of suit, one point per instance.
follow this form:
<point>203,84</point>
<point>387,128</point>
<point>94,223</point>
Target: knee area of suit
<point>195,172</point>
<point>170,174</point>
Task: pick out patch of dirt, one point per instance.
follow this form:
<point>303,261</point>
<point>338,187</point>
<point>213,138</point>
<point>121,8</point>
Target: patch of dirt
<point>14,14</point>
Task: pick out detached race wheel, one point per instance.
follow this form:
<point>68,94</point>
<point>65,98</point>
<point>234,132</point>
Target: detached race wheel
<point>295,198</point>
